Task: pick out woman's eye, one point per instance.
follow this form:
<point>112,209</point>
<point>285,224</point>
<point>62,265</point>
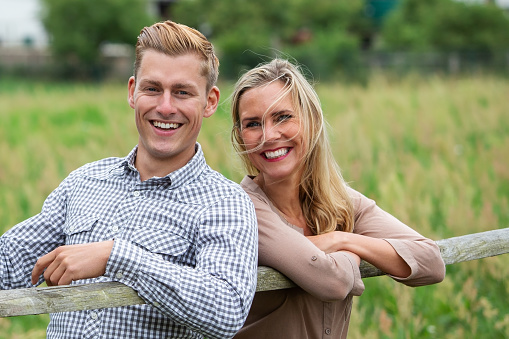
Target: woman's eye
<point>252,124</point>
<point>283,117</point>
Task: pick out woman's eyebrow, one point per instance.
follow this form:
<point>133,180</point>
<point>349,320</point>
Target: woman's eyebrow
<point>250,118</point>
<point>276,113</point>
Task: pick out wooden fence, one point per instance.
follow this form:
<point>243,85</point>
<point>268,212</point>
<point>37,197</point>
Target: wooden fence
<point>113,294</point>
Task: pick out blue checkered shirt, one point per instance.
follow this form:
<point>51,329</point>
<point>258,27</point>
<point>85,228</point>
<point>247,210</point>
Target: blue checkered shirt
<point>187,243</point>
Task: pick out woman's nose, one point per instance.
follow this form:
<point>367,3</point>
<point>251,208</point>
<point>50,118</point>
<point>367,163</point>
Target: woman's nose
<point>272,131</point>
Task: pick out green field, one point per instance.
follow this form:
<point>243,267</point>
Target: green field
<point>432,151</point>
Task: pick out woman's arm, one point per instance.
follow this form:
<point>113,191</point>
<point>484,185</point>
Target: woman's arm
<point>328,277</point>
<point>421,254</point>
<point>387,243</point>
<point>377,252</point>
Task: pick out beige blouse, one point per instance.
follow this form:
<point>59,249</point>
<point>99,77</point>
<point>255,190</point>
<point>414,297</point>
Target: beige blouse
<point>320,307</point>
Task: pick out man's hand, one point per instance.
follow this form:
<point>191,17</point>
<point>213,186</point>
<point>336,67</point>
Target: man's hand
<point>73,262</point>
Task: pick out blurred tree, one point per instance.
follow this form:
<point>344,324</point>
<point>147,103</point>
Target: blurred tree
<point>78,28</point>
<point>322,34</point>
<point>446,25</point>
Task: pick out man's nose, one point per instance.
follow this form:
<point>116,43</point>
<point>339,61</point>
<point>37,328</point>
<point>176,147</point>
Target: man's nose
<point>166,104</point>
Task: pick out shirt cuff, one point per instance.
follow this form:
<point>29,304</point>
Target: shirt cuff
<point>406,254</point>
<point>358,284</point>
<point>124,262</point>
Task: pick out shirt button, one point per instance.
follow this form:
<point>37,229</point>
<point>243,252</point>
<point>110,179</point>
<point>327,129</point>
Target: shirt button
<point>119,275</point>
<point>136,193</point>
<point>314,258</point>
<point>327,331</point>
<point>114,228</point>
<point>94,315</point>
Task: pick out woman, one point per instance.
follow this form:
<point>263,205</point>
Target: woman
<point>312,227</point>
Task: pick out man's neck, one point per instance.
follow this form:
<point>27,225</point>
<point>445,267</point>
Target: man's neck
<point>149,166</point>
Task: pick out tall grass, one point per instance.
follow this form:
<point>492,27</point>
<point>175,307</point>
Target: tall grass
<point>432,151</point>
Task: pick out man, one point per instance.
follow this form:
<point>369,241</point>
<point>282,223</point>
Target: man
<point>159,220</point>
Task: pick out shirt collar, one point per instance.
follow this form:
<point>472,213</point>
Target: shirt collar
<point>177,178</point>
<point>190,171</point>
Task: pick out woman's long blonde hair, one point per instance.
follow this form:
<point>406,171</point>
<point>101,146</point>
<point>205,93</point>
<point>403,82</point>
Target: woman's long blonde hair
<point>323,195</point>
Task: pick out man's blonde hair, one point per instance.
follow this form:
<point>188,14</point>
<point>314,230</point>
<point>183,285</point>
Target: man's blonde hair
<point>175,39</point>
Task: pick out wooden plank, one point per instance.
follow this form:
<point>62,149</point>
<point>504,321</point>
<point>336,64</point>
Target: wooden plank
<point>66,298</point>
<point>474,246</point>
<point>112,294</point>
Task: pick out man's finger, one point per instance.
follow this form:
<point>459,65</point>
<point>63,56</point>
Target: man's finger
<point>41,265</point>
<point>54,272</point>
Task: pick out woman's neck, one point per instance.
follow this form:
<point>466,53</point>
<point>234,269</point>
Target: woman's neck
<point>284,195</point>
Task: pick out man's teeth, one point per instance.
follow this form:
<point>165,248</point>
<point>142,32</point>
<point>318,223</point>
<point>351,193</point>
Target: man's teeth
<point>165,125</point>
<point>276,154</point>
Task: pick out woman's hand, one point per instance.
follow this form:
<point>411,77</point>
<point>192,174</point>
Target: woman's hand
<point>330,242</point>
<point>376,251</point>
<point>327,242</point>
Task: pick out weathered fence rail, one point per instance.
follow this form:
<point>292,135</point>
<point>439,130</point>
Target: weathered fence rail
<point>112,294</point>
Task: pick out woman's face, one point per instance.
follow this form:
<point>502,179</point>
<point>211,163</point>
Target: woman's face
<point>271,132</point>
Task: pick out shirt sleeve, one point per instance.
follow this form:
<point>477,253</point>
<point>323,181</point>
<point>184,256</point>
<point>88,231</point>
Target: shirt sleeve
<point>420,253</point>
<point>215,295</point>
<point>327,277</point>
<point>24,243</point>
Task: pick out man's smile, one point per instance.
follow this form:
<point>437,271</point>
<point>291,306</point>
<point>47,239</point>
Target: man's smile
<point>166,126</point>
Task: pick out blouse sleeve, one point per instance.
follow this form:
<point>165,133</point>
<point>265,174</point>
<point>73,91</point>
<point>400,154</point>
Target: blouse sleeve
<point>420,253</point>
<point>325,276</point>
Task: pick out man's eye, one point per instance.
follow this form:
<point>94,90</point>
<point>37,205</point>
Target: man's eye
<point>182,92</point>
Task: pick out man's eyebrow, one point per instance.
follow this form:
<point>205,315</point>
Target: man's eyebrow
<point>184,85</point>
<point>150,82</point>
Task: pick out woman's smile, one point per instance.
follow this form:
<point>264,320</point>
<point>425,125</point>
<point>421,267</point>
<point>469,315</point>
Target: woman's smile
<point>276,155</point>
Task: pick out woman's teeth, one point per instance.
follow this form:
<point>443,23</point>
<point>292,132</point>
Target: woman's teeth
<point>165,125</point>
<point>276,154</point>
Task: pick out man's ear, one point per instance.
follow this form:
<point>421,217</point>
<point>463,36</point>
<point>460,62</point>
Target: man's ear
<point>131,86</point>
<point>212,102</point>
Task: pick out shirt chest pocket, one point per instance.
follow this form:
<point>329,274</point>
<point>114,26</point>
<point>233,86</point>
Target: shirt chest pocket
<point>79,229</point>
<point>172,246</point>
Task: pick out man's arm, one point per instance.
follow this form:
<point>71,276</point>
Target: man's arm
<point>212,297</point>
<point>23,244</point>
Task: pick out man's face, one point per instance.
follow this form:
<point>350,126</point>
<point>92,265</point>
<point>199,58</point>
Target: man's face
<point>169,98</point>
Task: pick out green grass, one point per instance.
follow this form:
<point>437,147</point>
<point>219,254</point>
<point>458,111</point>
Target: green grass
<point>432,151</point>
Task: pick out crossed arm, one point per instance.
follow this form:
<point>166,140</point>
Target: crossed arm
<point>376,251</point>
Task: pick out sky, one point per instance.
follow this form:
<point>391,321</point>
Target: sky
<point>19,19</point>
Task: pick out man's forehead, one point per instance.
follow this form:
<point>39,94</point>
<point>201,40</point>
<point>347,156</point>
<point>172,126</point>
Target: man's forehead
<point>182,71</point>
